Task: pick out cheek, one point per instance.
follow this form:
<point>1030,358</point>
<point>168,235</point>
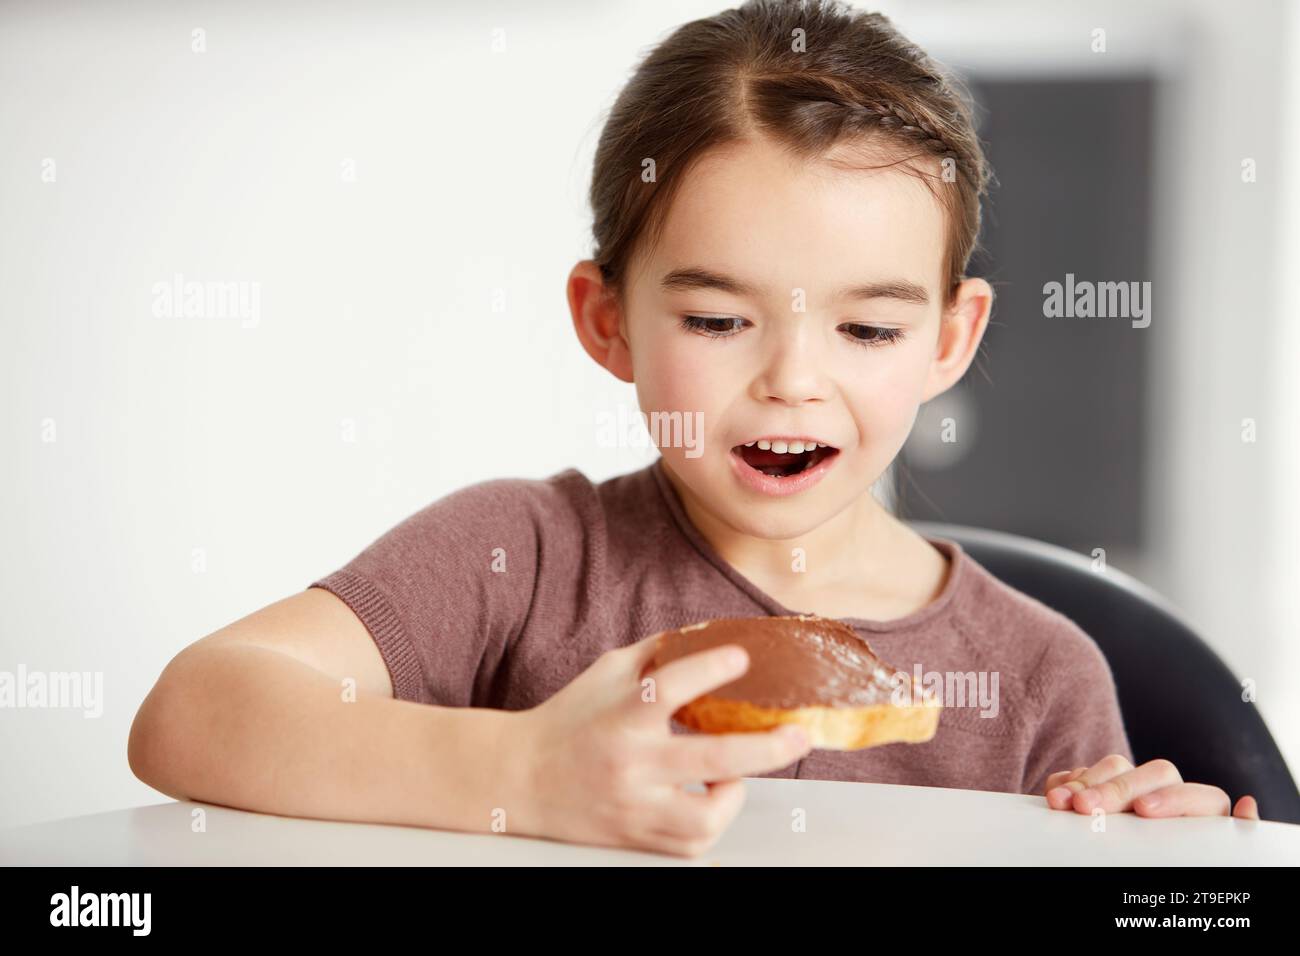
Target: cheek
<point>674,373</point>
<point>884,394</point>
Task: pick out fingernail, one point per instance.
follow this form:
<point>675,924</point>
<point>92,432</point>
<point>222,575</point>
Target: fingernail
<point>1088,798</point>
<point>736,658</point>
<point>1150,802</point>
<point>1059,793</point>
<point>1068,789</point>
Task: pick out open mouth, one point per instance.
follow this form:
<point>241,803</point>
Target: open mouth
<point>782,464</point>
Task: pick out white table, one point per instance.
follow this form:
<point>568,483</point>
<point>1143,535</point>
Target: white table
<point>846,823</point>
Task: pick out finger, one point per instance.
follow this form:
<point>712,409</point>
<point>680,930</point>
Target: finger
<point>685,817</point>
<point>1246,809</point>
<point>1054,780</point>
<point>1061,797</point>
<point>639,655</point>
<point>681,681</point>
<point>690,849</point>
<point>1183,800</point>
<point>1116,795</point>
<point>688,757</point>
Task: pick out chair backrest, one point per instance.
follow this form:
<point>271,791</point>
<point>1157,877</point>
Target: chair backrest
<point>1178,698</point>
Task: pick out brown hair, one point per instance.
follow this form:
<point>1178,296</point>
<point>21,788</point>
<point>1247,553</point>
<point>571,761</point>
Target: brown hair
<point>715,80</point>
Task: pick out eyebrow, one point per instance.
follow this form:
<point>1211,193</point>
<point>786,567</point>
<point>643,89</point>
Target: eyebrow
<point>684,279</point>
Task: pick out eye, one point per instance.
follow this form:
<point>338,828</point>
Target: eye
<point>872,335</point>
<point>714,326</point>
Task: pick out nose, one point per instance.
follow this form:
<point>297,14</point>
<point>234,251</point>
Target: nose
<point>794,369</point>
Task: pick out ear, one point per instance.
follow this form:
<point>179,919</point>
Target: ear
<point>961,328</point>
<point>598,319</point>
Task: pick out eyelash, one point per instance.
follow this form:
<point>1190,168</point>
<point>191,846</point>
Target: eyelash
<point>884,336</point>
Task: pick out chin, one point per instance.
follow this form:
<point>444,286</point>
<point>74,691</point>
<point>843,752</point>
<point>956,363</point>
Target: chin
<point>772,527</point>
<point>773,519</point>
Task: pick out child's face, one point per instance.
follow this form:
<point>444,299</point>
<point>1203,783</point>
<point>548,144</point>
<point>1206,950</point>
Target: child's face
<point>791,360</point>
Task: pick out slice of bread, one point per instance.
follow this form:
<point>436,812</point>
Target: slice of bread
<point>807,670</point>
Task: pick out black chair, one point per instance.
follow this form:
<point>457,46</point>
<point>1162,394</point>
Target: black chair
<point>1179,700</point>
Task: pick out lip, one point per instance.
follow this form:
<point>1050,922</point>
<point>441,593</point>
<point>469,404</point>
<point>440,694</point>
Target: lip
<point>780,487</point>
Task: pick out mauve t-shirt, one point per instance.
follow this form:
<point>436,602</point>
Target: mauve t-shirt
<point>501,593</point>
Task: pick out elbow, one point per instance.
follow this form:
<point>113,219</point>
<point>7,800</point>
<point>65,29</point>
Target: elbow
<point>149,744</point>
<point>142,744</point>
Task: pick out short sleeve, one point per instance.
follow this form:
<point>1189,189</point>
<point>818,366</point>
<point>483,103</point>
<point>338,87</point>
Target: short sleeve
<point>443,592</point>
<point>1080,720</point>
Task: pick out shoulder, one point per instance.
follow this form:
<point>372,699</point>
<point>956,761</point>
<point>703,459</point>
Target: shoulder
<point>554,504</point>
<point>566,500</point>
<point>565,514</point>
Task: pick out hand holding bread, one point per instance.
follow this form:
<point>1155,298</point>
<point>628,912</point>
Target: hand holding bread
<point>602,765</point>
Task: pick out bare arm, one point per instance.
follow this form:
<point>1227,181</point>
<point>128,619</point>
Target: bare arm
<point>255,716</point>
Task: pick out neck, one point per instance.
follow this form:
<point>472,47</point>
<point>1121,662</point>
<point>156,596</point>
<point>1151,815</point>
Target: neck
<point>856,545</point>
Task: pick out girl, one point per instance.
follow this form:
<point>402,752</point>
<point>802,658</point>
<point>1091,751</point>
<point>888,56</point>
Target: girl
<point>785,198</point>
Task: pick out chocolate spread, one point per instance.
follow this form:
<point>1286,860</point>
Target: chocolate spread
<point>803,661</point>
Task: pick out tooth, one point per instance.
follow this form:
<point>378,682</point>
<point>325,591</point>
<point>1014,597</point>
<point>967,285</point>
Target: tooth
<point>764,444</point>
<point>779,447</point>
<point>796,448</point>
<point>809,446</point>
<point>749,444</point>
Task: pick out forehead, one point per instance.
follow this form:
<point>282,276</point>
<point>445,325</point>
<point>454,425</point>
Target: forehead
<point>758,211</point>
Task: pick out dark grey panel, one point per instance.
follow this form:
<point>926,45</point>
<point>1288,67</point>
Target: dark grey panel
<point>1054,414</point>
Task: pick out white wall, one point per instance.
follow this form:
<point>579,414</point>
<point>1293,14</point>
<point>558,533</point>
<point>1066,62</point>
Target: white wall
<point>175,434</point>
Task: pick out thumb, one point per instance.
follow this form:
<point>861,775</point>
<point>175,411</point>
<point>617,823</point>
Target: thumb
<point>636,657</point>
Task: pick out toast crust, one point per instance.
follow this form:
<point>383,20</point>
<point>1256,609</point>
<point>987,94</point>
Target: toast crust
<point>830,728</point>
